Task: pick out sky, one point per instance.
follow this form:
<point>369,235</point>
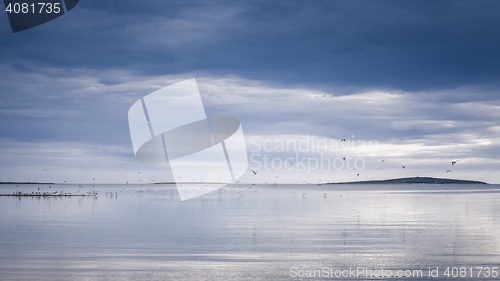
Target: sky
<point>405,83</point>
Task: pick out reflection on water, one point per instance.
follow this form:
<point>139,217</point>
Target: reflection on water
<point>244,232</point>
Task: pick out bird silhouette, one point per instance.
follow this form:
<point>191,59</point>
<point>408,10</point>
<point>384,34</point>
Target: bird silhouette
<point>454,162</point>
<point>448,171</point>
<point>403,167</point>
<point>343,158</point>
<point>291,164</point>
<point>254,172</point>
<point>382,161</point>
<point>342,140</point>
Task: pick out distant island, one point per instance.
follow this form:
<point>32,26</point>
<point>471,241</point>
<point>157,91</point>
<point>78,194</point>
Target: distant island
<point>414,180</point>
<point>30,182</point>
<point>418,180</point>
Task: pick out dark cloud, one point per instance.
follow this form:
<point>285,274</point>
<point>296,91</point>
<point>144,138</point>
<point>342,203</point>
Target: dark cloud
<point>409,45</point>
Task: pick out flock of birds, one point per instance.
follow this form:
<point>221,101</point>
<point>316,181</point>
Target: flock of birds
<point>453,163</point>
<point>238,190</point>
<point>56,193</point>
<point>94,193</point>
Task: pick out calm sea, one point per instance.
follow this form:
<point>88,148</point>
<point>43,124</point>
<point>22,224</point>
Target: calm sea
<point>251,232</point>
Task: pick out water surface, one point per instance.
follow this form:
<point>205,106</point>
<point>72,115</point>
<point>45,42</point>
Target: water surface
<point>245,232</point>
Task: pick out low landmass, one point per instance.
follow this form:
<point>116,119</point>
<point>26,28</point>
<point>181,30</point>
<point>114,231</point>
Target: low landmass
<point>414,180</point>
<point>30,182</point>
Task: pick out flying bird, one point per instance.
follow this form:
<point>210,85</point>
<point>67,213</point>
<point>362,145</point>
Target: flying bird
<point>342,140</point>
<point>254,172</point>
<point>454,162</point>
<point>357,175</point>
<point>403,167</point>
<point>448,171</point>
<point>291,164</point>
<point>382,161</point>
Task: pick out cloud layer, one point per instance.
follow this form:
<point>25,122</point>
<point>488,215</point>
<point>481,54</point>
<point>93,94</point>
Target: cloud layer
<point>420,78</point>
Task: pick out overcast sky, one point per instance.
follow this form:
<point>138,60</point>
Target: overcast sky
<point>420,79</point>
